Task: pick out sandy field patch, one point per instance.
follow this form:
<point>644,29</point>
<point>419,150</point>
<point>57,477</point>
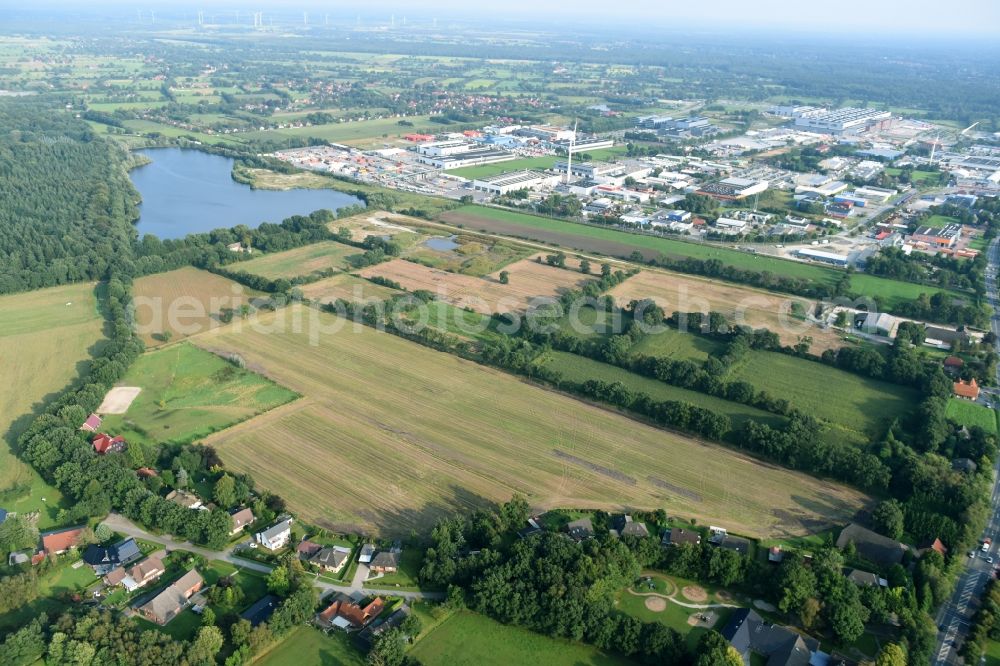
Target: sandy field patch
<point>695,593</point>
<point>118,399</point>
<point>656,604</point>
<point>751,307</point>
<point>528,280</point>
<point>703,619</point>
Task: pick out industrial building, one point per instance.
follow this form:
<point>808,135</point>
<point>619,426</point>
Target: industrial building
<point>945,237</point>
<point>841,121</point>
<point>730,226</point>
<point>583,144</point>
<point>877,323</point>
<point>733,189</point>
<point>823,256</point>
<point>513,181</point>
<point>546,133</point>
<point>587,170</point>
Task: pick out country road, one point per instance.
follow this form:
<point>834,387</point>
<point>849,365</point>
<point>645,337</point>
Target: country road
<point>123,525</point>
<point>954,617</point>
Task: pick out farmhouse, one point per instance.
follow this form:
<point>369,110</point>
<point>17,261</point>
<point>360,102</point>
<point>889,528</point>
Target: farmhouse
<point>751,635</point>
<point>104,443</point>
<point>866,579</point>
<point>580,529</point>
<point>241,518</point>
<point>277,536</point>
<point>168,604</point>
<point>386,561</point>
<point>872,546</point>
<point>679,536</point>
<point>967,390</point>
<point>345,613</point>
<point>105,559</point>
<point>625,526</point>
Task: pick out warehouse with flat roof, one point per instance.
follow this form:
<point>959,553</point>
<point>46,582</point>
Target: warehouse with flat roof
<point>512,181</point>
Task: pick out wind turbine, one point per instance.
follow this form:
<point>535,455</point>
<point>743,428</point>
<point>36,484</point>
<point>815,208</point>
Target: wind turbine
<point>569,155</point>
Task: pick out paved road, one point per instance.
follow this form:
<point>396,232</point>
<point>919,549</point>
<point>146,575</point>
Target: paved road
<point>954,617</point>
<point>123,525</point>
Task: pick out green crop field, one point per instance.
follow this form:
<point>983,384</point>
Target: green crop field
<point>46,340</point>
<point>487,170</point>
<point>469,639</point>
<point>579,369</point>
<point>308,645</point>
<point>861,408</point>
<point>301,261</point>
<point>188,393</point>
<point>971,414</point>
<point>621,244</point>
<point>677,345</point>
<point>435,434</point>
<point>451,319</point>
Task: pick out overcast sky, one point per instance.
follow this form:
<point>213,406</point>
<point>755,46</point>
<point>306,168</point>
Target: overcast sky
<point>980,17</point>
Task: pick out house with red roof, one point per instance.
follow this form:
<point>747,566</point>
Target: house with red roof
<point>58,542</point>
<point>968,390</point>
<point>105,443</point>
<point>92,423</point>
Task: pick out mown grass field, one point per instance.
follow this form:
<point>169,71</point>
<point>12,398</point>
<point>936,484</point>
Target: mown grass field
<point>308,645</point>
<point>300,261</point>
<point>621,244</point>
<point>470,639</point>
<point>971,414</point>
<point>487,170</point>
<point>579,369</point>
<point>189,393</point>
<point>419,434</point>
<point>45,342</point>
<point>183,302</point>
<point>861,408</point>
<point>346,287</point>
<point>677,345</point>
<point>939,221</point>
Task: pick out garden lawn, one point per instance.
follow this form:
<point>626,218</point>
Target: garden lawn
<point>468,639</point>
<point>406,577</point>
<point>966,413</point>
<point>308,645</point>
<point>188,393</point>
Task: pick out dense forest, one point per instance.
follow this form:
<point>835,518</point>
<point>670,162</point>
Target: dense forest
<point>66,204</point>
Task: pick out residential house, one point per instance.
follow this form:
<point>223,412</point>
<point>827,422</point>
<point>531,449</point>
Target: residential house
<point>580,529</point>
<point>332,558</point>
<point>385,562</point>
<point>775,554</point>
<point>874,547</point>
<point>966,465</point>
<point>678,536</point>
<point>967,390</point>
<point>345,613</point>
<point>534,526</point>
<point>625,526</point>
<point>241,518</point>
<point>953,365</point>
<point>307,549</point>
<point>138,576</point>
<point>146,472</point>
<point>866,579</point>
<point>107,558</point>
<point>185,499</point>
<point>371,633</point>
<point>92,423</point>
<point>169,603</point>
<point>59,541</point>
<point>367,553</point>
<point>261,610</point>
<point>105,443</point>
<point>277,536</point>
<point>751,635</point>
<point>932,544</point>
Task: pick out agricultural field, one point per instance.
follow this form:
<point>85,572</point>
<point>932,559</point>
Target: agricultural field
<point>188,393</point>
<point>346,287</point>
<point>781,314</point>
<point>183,302</point>
<point>435,435</point>
<point>60,322</point>
<point>300,261</point>
<point>859,407</point>
<point>528,280</point>
<point>450,319</point>
<point>357,132</point>
<point>580,368</point>
<point>678,345</point>
<point>470,639</point>
<point>971,414</point>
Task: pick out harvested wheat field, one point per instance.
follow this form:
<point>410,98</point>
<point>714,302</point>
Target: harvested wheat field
<point>300,261</point>
<point>390,436</point>
<point>752,307</point>
<point>183,302</point>
<point>528,280</point>
<point>346,287</point>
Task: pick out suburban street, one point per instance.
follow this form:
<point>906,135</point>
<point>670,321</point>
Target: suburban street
<point>954,617</point>
<point>123,525</point>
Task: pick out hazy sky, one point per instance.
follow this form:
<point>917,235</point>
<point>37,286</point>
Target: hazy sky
<point>831,16</point>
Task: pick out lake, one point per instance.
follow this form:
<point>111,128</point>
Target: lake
<point>188,191</point>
